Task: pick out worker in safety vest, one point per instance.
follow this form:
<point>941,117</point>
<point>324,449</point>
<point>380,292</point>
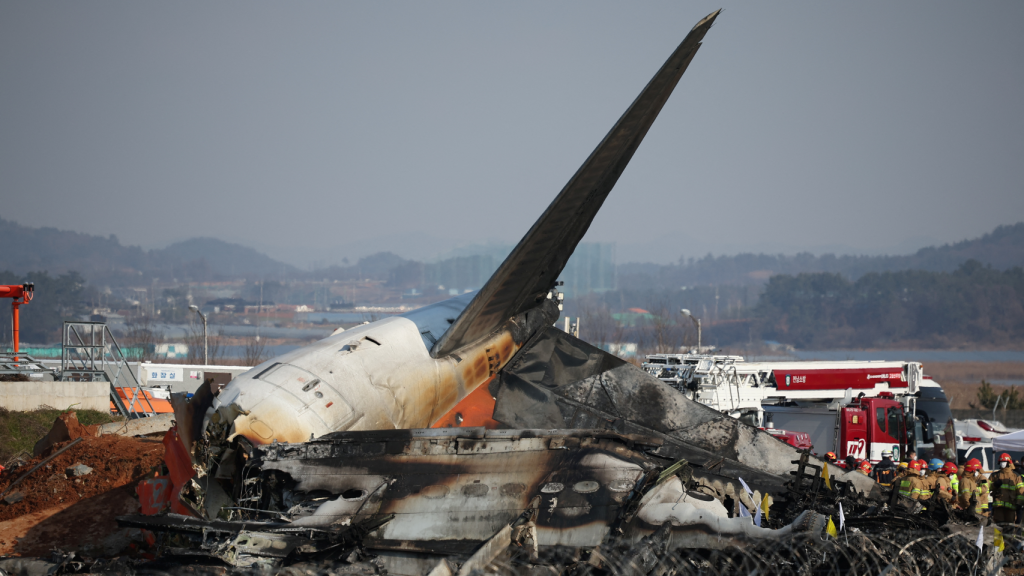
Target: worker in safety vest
<point>864,468</point>
<point>951,470</point>
<point>986,496</point>
<point>971,488</point>
<point>902,469</point>
<point>885,471</point>
<point>931,479</point>
<point>912,483</point>
<point>1007,490</point>
<point>943,484</point>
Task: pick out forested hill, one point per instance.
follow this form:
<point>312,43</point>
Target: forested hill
<point>103,260</point>
<point>971,306</point>
<point>1003,248</point>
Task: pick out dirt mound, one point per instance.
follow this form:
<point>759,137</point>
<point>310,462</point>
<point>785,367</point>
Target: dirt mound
<point>65,427</point>
<point>115,461</point>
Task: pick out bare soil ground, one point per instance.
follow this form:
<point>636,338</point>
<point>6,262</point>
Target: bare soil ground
<point>61,511</point>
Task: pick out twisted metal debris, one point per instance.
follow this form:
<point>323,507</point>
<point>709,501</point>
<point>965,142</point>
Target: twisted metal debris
<point>857,553</point>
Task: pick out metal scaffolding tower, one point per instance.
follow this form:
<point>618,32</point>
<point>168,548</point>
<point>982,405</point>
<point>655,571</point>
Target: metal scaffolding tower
<point>91,354</point>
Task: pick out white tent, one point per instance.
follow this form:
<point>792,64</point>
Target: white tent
<point>1012,442</point>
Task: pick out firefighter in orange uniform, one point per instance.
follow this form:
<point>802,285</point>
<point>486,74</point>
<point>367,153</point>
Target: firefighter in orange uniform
<point>912,484</point>
<point>1007,490</point>
<point>971,488</point>
<point>943,484</point>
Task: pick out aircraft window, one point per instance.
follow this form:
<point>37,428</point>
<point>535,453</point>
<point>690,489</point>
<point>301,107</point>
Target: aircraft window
<point>621,485</point>
<point>512,489</point>
<point>434,491</point>
<point>353,494</point>
<point>475,490</point>
<point>586,487</point>
<point>880,417</point>
<point>268,371</point>
<point>552,487</point>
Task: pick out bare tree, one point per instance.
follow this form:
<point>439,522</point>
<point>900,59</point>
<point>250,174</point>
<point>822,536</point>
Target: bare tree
<point>217,347</point>
<point>662,333</point>
<point>598,326</point>
<point>139,338</point>
<point>254,352</point>
<point>194,340</point>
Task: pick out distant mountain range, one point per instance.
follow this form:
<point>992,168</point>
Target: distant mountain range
<point>105,261</point>
<point>1002,248</point>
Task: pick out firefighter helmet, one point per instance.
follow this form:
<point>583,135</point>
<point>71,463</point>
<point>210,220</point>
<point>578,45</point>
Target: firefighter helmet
<point>973,465</point>
<point>915,465</point>
<point>949,468</point>
<point>903,465</point>
<point>830,456</point>
<point>865,467</point>
<point>935,464</point>
<point>1004,457</point>
<point>886,453</point>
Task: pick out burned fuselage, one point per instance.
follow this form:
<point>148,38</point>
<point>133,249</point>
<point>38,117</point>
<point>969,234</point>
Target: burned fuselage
<point>443,492</point>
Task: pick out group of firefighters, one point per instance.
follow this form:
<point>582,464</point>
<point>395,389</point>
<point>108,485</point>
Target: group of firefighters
<point>963,487</point>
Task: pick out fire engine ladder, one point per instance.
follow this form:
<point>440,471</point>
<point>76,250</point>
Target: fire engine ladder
<point>89,353</point>
<point>724,377</point>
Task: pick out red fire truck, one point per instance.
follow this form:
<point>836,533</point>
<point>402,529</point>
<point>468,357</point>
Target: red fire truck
<point>852,408</point>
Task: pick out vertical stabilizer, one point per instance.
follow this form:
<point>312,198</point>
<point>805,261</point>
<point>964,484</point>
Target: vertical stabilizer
<point>532,268</point>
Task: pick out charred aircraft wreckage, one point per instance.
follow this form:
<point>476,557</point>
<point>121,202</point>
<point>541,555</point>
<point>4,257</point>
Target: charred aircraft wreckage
<point>327,451</point>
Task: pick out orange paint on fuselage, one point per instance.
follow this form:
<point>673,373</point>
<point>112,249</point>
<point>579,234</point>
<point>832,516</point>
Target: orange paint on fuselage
<point>475,410</point>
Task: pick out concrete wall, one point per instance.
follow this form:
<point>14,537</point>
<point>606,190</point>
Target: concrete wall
<point>25,396</point>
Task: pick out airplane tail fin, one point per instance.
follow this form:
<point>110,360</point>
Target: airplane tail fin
<point>533,267</point>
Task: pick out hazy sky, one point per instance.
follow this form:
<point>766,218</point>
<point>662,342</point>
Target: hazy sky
<point>320,130</point>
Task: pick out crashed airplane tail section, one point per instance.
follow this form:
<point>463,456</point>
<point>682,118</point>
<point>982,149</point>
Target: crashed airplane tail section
<point>408,371</point>
<point>534,265</point>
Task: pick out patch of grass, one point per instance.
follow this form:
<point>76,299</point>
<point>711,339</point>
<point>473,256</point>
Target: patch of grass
<point>19,431</point>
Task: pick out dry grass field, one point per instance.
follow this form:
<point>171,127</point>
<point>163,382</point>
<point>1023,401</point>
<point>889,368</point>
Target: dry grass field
<point>961,380</point>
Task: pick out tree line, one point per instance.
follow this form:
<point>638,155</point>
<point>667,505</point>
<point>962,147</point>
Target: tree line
<point>974,305</point>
